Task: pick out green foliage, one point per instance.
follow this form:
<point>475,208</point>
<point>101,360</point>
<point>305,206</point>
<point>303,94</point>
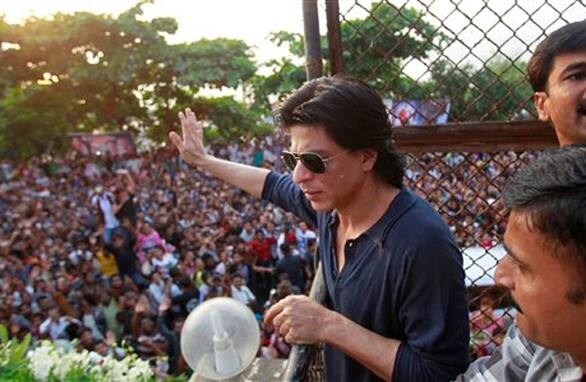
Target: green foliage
<point>376,47</point>
<point>227,120</point>
<point>496,92</point>
<point>13,361</point>
<point>216,61</point>
<point>84,72</point>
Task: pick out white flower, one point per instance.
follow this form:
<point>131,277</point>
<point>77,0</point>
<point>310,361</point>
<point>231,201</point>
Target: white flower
<point>47,360</point>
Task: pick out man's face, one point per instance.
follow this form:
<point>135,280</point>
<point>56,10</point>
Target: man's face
<point>539,282</point>
<point>335,188</point>
<point>238,282</point>
<point>178,325</point>
<point>62,284</point>
<point>303,226</point>
<point>564,101</point>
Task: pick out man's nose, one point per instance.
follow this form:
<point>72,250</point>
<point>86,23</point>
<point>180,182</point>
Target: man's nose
<point>301,173</point>
<point>503,274</point>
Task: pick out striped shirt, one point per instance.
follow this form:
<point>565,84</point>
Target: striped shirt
<point>518,359</point>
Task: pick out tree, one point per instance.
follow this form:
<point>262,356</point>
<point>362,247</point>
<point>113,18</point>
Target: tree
<point>379,47</point>
<point>85,72</point>
<point>498,91</point>
<point>375,49</point>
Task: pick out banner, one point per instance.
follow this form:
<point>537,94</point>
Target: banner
<point>415,112</point>
<point>112,144</point>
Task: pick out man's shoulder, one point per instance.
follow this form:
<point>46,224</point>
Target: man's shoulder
<point>416,224</point>
<point>518,359</point>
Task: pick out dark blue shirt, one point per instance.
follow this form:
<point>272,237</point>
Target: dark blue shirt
<point>402,278</point>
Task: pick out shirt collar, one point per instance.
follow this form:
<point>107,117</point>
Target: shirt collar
<point>567,369</point>
<point>399,205</point>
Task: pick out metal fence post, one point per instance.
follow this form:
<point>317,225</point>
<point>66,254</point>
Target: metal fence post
<point>313,61</point>
<point>334,37</point>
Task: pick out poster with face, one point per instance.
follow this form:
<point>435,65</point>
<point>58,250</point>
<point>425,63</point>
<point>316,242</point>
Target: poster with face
<point>417,112</point>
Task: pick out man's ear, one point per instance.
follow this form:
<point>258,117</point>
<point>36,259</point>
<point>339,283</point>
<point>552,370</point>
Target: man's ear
<point>369,157</point>
<point>540,101</point>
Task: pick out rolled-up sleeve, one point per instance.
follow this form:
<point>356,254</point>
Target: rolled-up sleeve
<point>281,191</point>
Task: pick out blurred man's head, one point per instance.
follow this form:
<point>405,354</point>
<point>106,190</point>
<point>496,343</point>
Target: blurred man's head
<point>557,72</point>
<point>284,289</point>
<point>545,268</point>
<point>147,325</point>
<point>285,249</point>
<point>238,280</point>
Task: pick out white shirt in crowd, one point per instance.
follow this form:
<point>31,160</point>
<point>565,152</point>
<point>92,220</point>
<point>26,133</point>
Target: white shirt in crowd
<point>242,294</point>
<point>105,202</point>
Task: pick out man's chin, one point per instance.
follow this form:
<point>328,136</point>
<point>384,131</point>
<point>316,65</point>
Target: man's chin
<point>320,206</point>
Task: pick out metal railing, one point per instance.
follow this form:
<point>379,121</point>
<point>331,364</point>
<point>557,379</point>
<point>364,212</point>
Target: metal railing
<point>453,75</point>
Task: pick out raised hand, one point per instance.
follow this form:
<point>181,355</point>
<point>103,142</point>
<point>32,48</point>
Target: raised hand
<point>142,305</point>
<point>165,305</point>
<point>190,146</point>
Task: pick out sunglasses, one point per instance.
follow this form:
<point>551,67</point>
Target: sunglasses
<point>312,161</point>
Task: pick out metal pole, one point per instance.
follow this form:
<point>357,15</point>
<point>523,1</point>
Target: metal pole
<point>300,356</point>
<point>334,36</point>
<point>313,62</point>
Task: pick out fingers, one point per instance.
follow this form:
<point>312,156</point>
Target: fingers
<point>176,140</point>
<point>283,328</point>
<point>273,312</point>
<point>183,120</point>
<point>193,126</point>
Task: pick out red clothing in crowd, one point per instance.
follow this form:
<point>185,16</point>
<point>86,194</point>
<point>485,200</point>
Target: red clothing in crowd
<point>262,248</point>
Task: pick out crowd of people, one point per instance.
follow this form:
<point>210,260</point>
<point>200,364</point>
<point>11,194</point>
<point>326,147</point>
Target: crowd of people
<point>109,249</point>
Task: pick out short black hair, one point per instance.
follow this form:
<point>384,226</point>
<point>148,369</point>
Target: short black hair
<point>352,114</point>
<point>551,191</point>
<point>569,38</point>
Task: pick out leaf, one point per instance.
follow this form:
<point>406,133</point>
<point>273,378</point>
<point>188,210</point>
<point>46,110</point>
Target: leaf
<point>19,351</point>
<point>3,334</point>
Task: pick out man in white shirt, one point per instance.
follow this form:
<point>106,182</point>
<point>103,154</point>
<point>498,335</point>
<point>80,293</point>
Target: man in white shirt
<point>241,292</point>
<point>104,200</point>
<point>303,234</point>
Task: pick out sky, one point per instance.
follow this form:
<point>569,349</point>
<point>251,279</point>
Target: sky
<point>249,20</point>
<point>253,20</point>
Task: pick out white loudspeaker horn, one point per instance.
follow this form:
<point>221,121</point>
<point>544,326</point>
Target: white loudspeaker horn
<point>220,338</point>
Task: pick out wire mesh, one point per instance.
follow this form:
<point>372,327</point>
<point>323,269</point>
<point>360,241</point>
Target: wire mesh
<point>450,61</point>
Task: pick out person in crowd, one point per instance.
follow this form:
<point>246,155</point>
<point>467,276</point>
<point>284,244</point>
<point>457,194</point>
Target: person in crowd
<point>293,266</point>
<point>241,292</point>
<point>303,234</point>
<point>104,202</point>
<point>383,278</point>
<point>557,75</point>
<point>122,247</point>
<point>545,272</point>
<point>177,364</point>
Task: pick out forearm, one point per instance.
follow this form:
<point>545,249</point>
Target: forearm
<point>248,178</point>
<point>135,324</point>
<point>375,352</point>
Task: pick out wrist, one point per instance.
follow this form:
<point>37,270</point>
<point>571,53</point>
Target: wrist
<point>204,161</point>
<point>330,327</point>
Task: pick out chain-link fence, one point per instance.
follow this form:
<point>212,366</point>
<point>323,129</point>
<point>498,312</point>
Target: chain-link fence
<point>457,70</point>
<point>447,60</point>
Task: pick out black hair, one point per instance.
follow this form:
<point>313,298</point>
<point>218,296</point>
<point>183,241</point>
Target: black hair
<point>569,38</point>
<point>352,114</point>
<point>551,191</point>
